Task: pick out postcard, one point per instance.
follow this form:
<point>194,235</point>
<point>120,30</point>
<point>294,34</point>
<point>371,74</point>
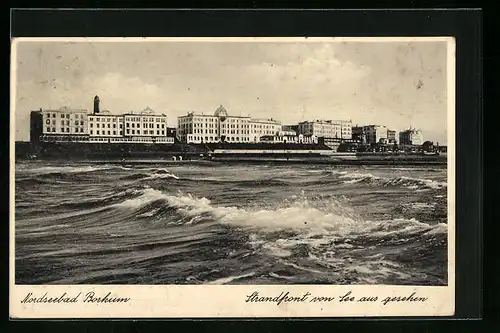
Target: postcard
<point>232,177</point>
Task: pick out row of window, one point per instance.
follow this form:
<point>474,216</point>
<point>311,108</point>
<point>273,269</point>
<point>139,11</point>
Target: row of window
<point>145,132</point>
<point>98,132</point>
<point>65,130</point>
<point>216,138</point>
<point>109,125</point>
<point>134,125</point>
<point>144,119</point>
<point>106,119</point>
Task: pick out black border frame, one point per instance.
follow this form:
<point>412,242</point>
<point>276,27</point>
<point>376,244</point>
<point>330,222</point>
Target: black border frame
<point>465,25</point>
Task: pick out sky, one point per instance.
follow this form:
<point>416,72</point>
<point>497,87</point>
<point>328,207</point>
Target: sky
<point>397,84</point>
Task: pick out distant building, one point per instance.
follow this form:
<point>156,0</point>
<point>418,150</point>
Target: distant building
<point>78,125</point>
<point>36,126</point>
<point>64,122</point>
<point>287,131</point>
<point>221,127</point>
<point>341,129</point>
<point>411,137</point>
<point>391,136</point>
<point>358,134</point>
<point>370,134</point>
<point>105,125</point>
<point>294,127</point>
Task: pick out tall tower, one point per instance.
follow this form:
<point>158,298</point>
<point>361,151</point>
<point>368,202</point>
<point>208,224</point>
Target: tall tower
<point>96,104</point>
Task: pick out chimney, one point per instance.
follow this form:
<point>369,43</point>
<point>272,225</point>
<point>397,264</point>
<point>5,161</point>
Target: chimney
<point>96,104</point>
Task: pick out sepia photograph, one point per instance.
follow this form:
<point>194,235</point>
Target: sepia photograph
<point>244,161</point>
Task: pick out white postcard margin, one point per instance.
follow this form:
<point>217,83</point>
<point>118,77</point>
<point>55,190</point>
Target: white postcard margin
<point>206,301</point>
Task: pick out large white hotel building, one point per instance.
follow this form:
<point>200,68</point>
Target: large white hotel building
<point>339,129</point>
<point>221,127</point>
<point>78,125</point>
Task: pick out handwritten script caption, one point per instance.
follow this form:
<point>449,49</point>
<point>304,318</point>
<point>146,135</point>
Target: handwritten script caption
<point>286,297</point>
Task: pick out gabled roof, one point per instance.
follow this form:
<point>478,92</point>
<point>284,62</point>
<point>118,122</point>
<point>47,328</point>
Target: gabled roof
<point>221,112</point>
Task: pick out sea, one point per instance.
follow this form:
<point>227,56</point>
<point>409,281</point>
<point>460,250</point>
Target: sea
<point>214,223</point>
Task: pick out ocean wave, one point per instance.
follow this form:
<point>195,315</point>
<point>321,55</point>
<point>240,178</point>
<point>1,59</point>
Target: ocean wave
<point>67,169</point>
<point>102,201</point>
<point>408,182</point>
<point>158,174</point>
<point>226,280</point>
<point>298,214</point>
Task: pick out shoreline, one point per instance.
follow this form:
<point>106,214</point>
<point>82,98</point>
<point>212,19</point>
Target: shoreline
<point>256,161</point>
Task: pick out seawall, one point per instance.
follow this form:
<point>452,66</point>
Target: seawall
<point>164,153</point>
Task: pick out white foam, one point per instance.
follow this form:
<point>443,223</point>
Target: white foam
<point>69,169</point>
<point>423,205</point>
<point>408,182</point>
<point>162,176</point>
<point>231,278</point>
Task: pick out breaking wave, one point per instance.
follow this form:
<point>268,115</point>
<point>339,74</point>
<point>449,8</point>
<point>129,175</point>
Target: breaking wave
<point>46,170</point>
<point>296,215</point>
<point>408,182</point>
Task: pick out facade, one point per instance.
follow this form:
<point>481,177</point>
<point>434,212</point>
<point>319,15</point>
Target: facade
<point>78,125</point>
<point>199,128</point>
<point>375,134</point>
<point>64,122</point>
<point>358,134</point>
<point>391,136</point>
<point>36,126</point>
<point>144,125</point>
<point>105,126</point>
<point>221,127</point>
<point>411,137</point>
<point>263,127</point>
<point>341,129</point>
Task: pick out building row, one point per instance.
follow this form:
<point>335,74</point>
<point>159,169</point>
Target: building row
<point>374,134</point>
<point>80,125</point>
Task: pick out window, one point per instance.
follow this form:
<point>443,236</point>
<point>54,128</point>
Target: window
<point>121,132</point>
<point>151,132</point>
<point>97,132</point>
<point>109,132</point>
<point>62,115</point>
<point>109,119</point>
<point>109,125</point>
<point>91,132</point>
<point>121,125</point>
<point>76,123</point>
<point>157,125</point>
<point>114,125</point>
<point>157,132</point>
<point>114,132</point>
<point>128,131</point>
<point>97,125</point>
<point>48,129</point>
<point>133,131</point>
<point>133,125</point>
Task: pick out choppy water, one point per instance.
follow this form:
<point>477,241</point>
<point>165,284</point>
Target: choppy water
<point>236,224</point>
